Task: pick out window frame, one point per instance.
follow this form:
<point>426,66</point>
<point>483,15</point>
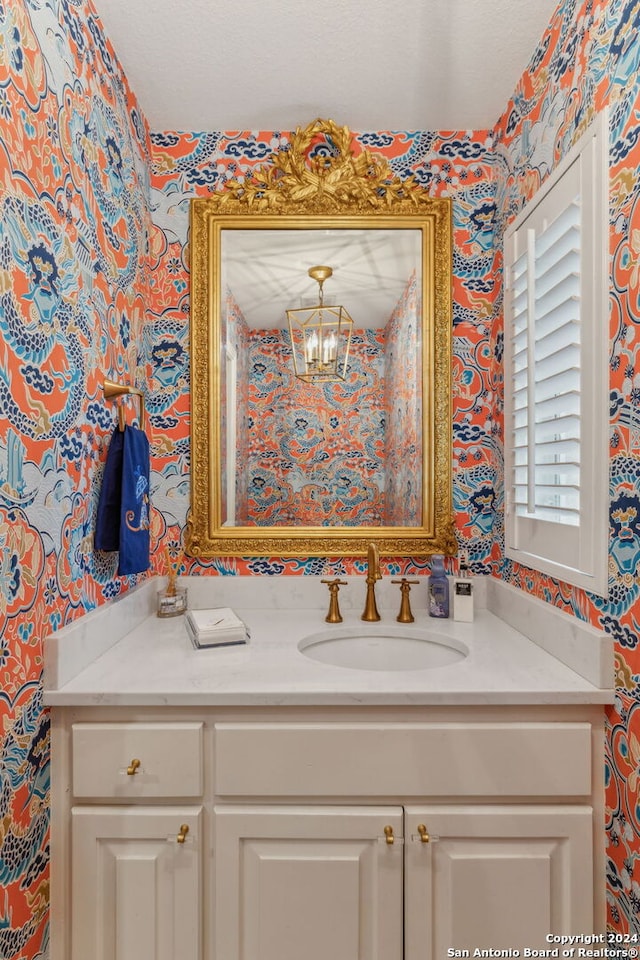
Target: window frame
<point>575,554</point>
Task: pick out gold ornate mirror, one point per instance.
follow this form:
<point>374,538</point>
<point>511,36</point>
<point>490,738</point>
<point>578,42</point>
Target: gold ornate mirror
<point>320,359</point>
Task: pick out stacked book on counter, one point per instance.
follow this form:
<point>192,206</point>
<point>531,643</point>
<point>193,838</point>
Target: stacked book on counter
<point>216,627</point>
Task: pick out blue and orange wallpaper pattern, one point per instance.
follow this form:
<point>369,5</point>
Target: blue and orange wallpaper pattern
<point>403,410</point>
<point>74,277</point>
<point>315,453</point>
<point>589,57</point>
<point>344,453</point>
<point>234,332</point>
<point>94,280</point>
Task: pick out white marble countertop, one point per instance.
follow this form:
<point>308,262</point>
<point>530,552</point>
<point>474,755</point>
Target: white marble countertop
<point>155,664</point>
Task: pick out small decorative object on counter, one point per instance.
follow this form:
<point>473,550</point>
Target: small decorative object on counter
<point>172,601</point>
<point>463,594</point>
<point>216,627</point>
<point>438,588</point>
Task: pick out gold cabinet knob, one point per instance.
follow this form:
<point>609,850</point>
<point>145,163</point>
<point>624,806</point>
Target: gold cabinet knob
<point>133,768</point>
<point>184,830</point>
<point>388,832</point>
<point>422,830</point>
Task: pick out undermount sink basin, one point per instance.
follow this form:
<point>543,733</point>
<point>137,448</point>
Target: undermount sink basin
<point>377,646</point>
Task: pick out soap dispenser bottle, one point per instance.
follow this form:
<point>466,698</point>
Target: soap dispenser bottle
<point>438,588</point>
<point>462,600</point>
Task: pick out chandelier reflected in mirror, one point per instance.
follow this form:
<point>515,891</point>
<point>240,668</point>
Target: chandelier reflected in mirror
<point>320,336</point>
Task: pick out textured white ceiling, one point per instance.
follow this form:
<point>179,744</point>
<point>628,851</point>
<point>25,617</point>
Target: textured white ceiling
<point>267,271</point>
<point>369,64</point>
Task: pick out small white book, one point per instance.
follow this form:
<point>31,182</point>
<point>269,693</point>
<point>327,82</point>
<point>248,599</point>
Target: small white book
<point>218,626</point>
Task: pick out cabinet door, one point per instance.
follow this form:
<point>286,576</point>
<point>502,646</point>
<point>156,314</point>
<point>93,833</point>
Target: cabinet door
<point>495,876</point>
<point>136,886</point>
<point>319,883</point>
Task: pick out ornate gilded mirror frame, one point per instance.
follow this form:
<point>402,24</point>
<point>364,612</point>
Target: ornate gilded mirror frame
<point>334,188</point>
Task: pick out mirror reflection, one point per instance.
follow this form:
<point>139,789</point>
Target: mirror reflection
<point>320,358</point>
<point>321,392</point>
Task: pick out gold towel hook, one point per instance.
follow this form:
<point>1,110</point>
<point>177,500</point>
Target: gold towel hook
<point>112,389</point>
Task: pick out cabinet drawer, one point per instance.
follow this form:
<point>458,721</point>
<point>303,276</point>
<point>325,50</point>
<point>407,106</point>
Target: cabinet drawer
<point>402,759</point>
<point>168,755</point>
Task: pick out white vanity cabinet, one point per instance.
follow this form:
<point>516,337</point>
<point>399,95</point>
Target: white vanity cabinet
<point>134,840</point>
<point>308,881</point>
<point>318,882</point>
<point>501,876</point>
<point>136,888</point>
<point>368,833</point>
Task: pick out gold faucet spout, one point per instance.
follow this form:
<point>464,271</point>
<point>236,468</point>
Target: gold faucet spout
<point>373,564</point>
<point>370,613</point>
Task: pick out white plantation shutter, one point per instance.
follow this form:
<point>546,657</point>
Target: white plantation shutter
<point>546,379</point>
<point>556,344</point>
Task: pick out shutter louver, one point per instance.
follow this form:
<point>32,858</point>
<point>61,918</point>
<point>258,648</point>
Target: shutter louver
<point>546,371</point>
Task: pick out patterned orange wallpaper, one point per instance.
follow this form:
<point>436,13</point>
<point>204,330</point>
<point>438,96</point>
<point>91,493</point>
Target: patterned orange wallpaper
<point>92,283</point>
<point>74,277</point>
<point>589,57</point>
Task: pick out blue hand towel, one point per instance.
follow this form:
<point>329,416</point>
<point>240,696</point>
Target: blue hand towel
<point>134,509</point>
<point>107,535</point>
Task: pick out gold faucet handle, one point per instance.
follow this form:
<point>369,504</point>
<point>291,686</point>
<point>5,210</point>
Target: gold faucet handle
<point>405,615</point>
<point>334,615</point>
